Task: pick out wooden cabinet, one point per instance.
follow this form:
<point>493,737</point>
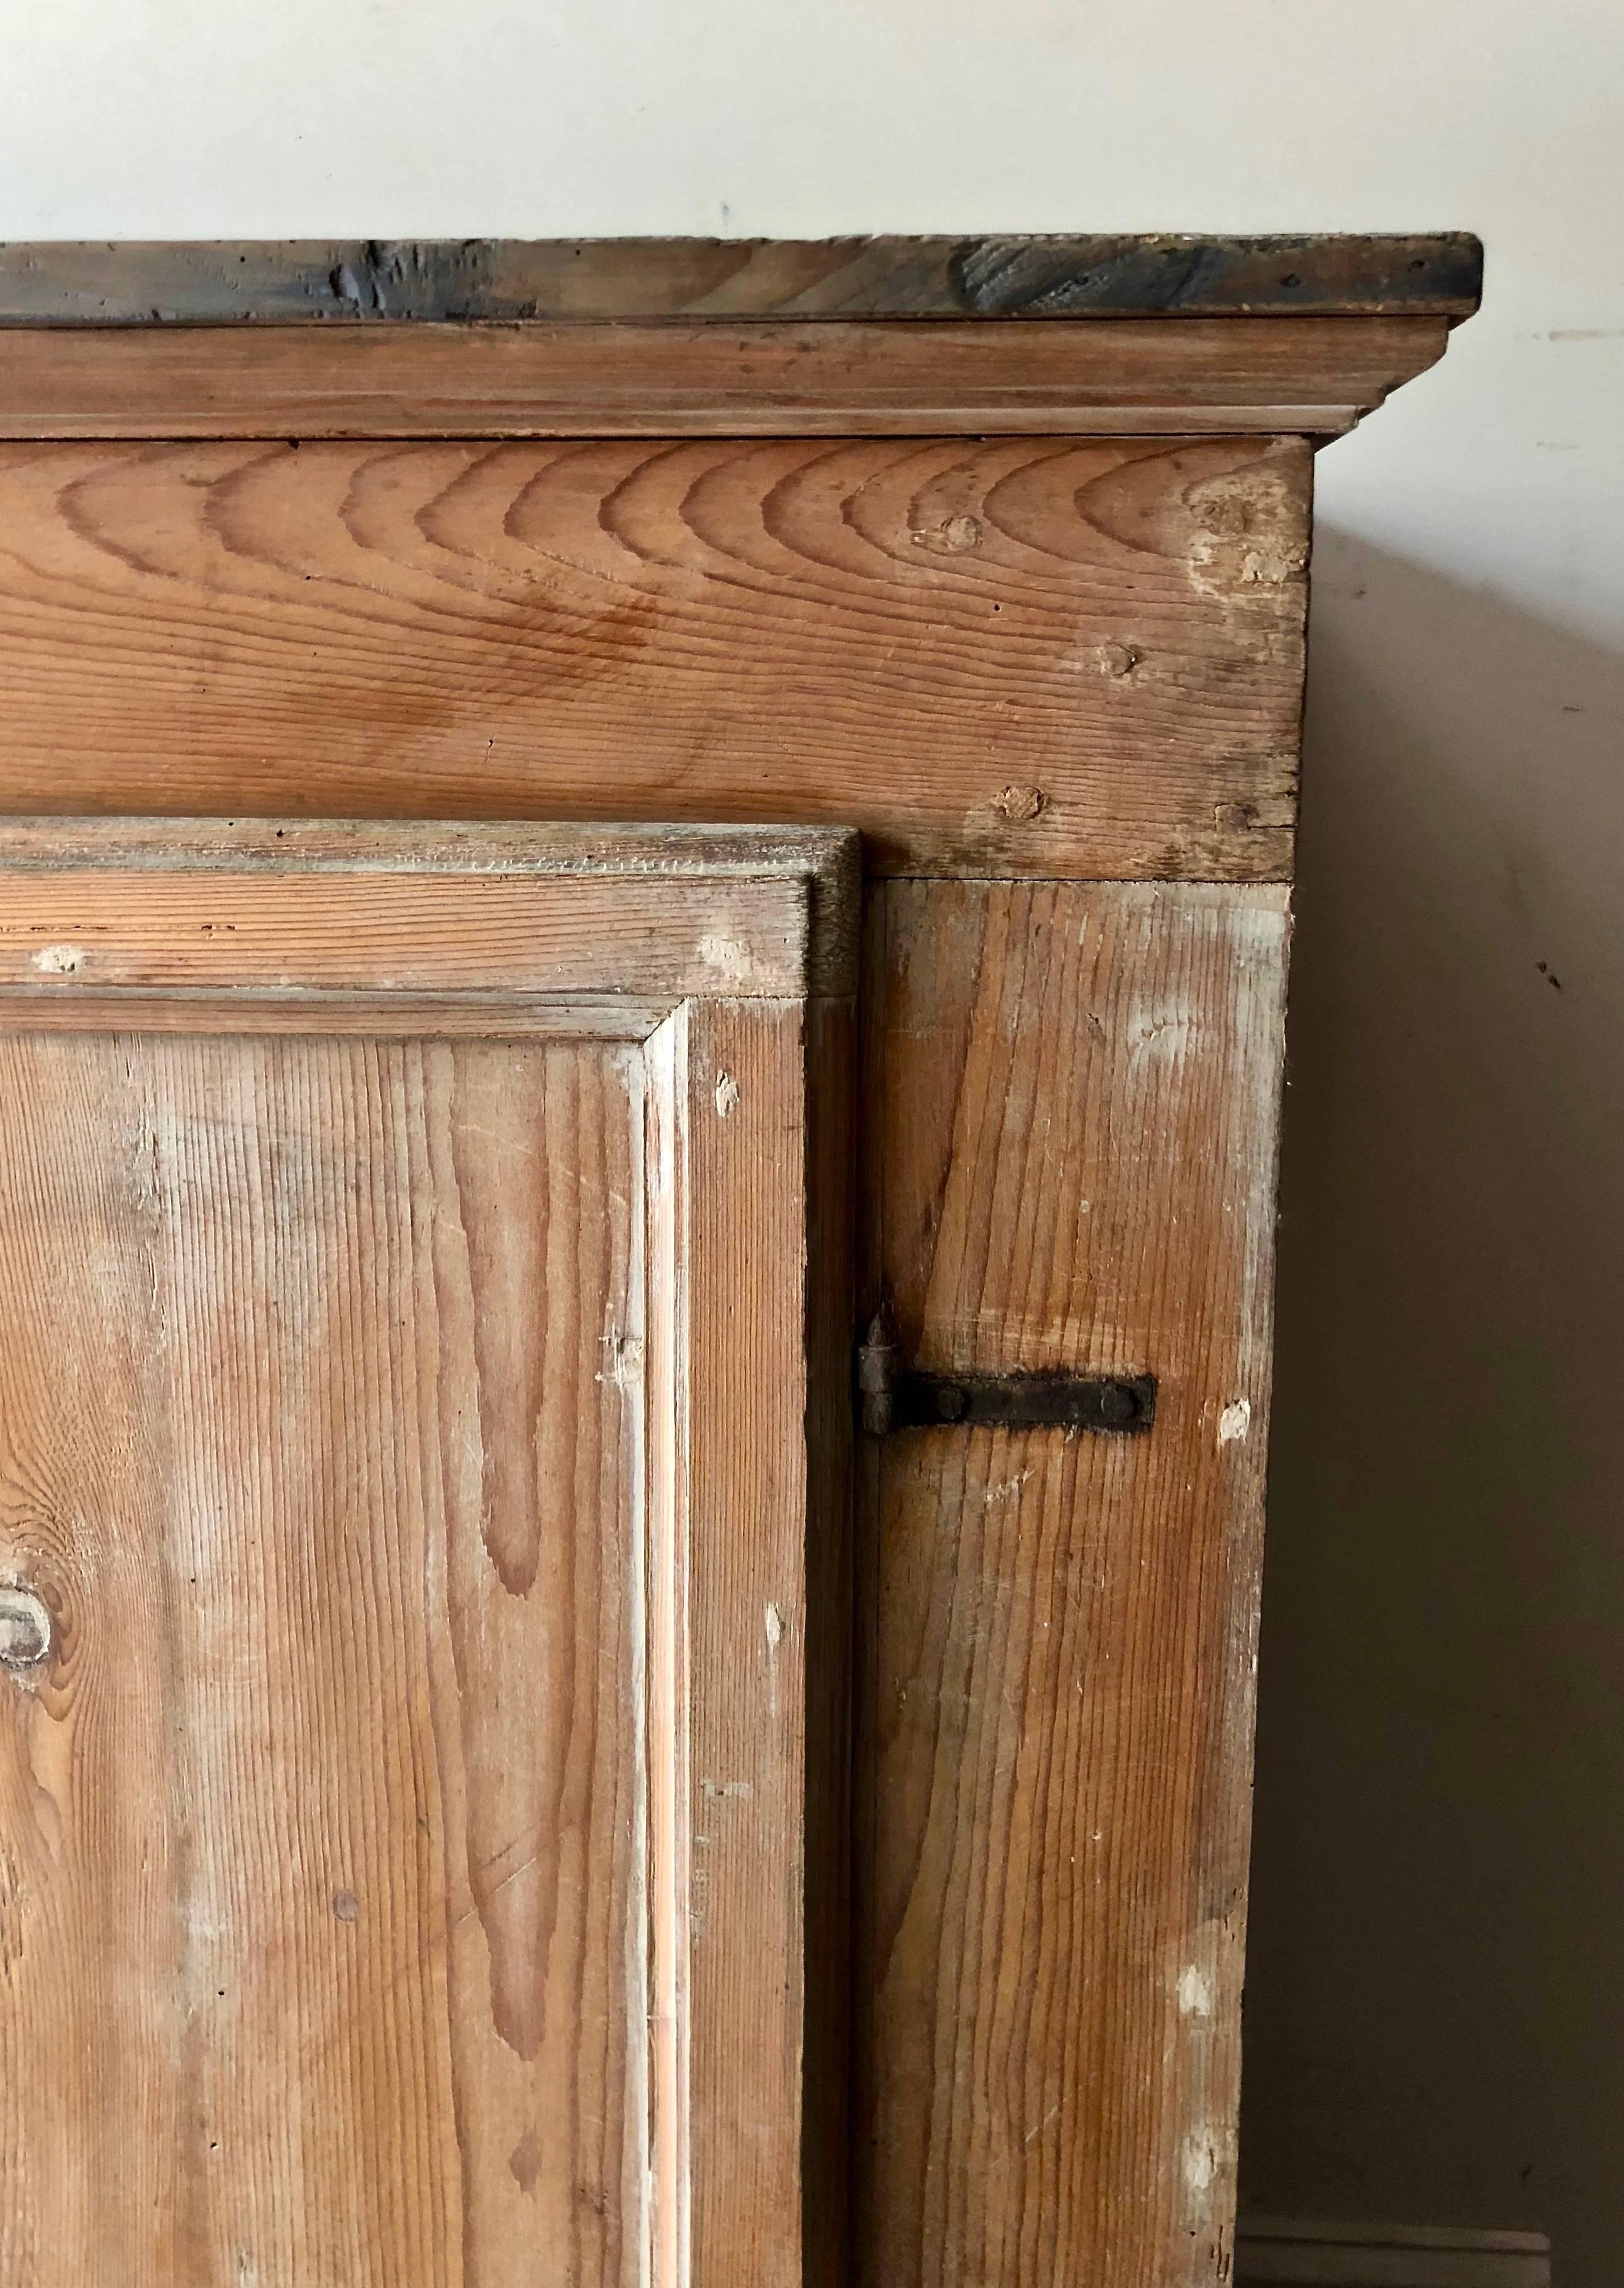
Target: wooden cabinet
<point>497,1788</point>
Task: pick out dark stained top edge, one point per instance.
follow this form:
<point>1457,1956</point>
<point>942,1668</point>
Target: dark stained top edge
<point>282,282</point>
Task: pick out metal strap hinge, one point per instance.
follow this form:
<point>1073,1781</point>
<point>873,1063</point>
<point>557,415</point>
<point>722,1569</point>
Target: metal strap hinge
<point>891,1397</point>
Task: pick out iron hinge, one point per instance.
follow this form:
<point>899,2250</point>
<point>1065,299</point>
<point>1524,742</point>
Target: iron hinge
<point>892,1396</point>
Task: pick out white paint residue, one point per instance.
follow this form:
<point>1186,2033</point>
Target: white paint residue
<point>1004,1489</point>
<point>775,1637</point>
<point>1235,1421</point>
<point>729,960</point>
<point>1251,536</point>
<point>1165,1028</point>
<point>204,1926</point>
<point>715,1789</point>
<point>57,960</point>
<point>625,1360</point>
<point>1200,2161</point>
<point>726,1094</point>
<point>1196,1993</point>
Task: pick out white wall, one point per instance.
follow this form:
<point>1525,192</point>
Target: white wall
<point>1434,2023</point>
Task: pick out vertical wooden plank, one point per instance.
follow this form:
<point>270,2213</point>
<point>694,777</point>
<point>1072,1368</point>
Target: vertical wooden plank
<point>746,1151</point>
<point>529,1299</point>
<point>1071,1093</point>
<point>728,1558</point>
<point>832,1120</point>
<point>317,1830</point>
<point>95,1904</point>
<point>667,1658</point>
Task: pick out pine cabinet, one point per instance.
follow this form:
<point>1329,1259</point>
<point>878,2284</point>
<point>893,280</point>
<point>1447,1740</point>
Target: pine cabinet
<point>643,923</point>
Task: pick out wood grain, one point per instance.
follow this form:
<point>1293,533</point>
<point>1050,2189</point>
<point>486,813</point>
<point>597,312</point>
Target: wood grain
<point>831,1177</point>
<point>321,1959</point>
<point>739,1178</point>
<point>1104,376</point>
<point>826,860</point>
<point>1070,1096</point>
<point>378,1016</point>
<point>750,1457</point>
<point>409,1440</point>
<point>1039,658</point>
<point>286,281</point>
<point>86,931</point>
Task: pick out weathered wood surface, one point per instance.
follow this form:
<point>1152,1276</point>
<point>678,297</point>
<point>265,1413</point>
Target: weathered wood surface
<point>733,1273</point>
<point>1128,377</point>
<point>383,933</point>
<point>826,860</point>
<point>1070,1097</point>
<point>440,846</point>
<point>1008,657</point>
<point>280,281</point>
<point>1037,655</point>
<point>382,1419</point>
<point>320,1905</point>
<point>381,1016</point>
<point>833,1118</point>
<point>394,932</point>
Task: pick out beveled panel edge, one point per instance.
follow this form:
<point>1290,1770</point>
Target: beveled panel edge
<point>380,1016</point>
<point>986,277</point>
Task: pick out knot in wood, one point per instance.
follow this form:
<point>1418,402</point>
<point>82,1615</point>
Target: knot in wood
<point>1019,804</point>
<point>952,537</point>
<point>25,1628</point>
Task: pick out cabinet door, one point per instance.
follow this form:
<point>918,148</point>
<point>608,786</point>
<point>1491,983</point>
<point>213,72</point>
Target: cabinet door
<point>404,1483</point>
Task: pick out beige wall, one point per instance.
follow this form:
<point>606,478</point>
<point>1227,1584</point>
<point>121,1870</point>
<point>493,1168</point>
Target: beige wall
<point>1435,2016</point>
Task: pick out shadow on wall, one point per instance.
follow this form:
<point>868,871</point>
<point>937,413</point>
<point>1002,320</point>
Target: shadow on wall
<point>1435,2001</point>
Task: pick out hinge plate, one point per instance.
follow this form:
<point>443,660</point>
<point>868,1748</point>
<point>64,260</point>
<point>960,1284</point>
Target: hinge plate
<point>895,1397</point>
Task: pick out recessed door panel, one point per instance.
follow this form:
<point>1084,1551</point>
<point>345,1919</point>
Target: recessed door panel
<point>322,1822</point>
